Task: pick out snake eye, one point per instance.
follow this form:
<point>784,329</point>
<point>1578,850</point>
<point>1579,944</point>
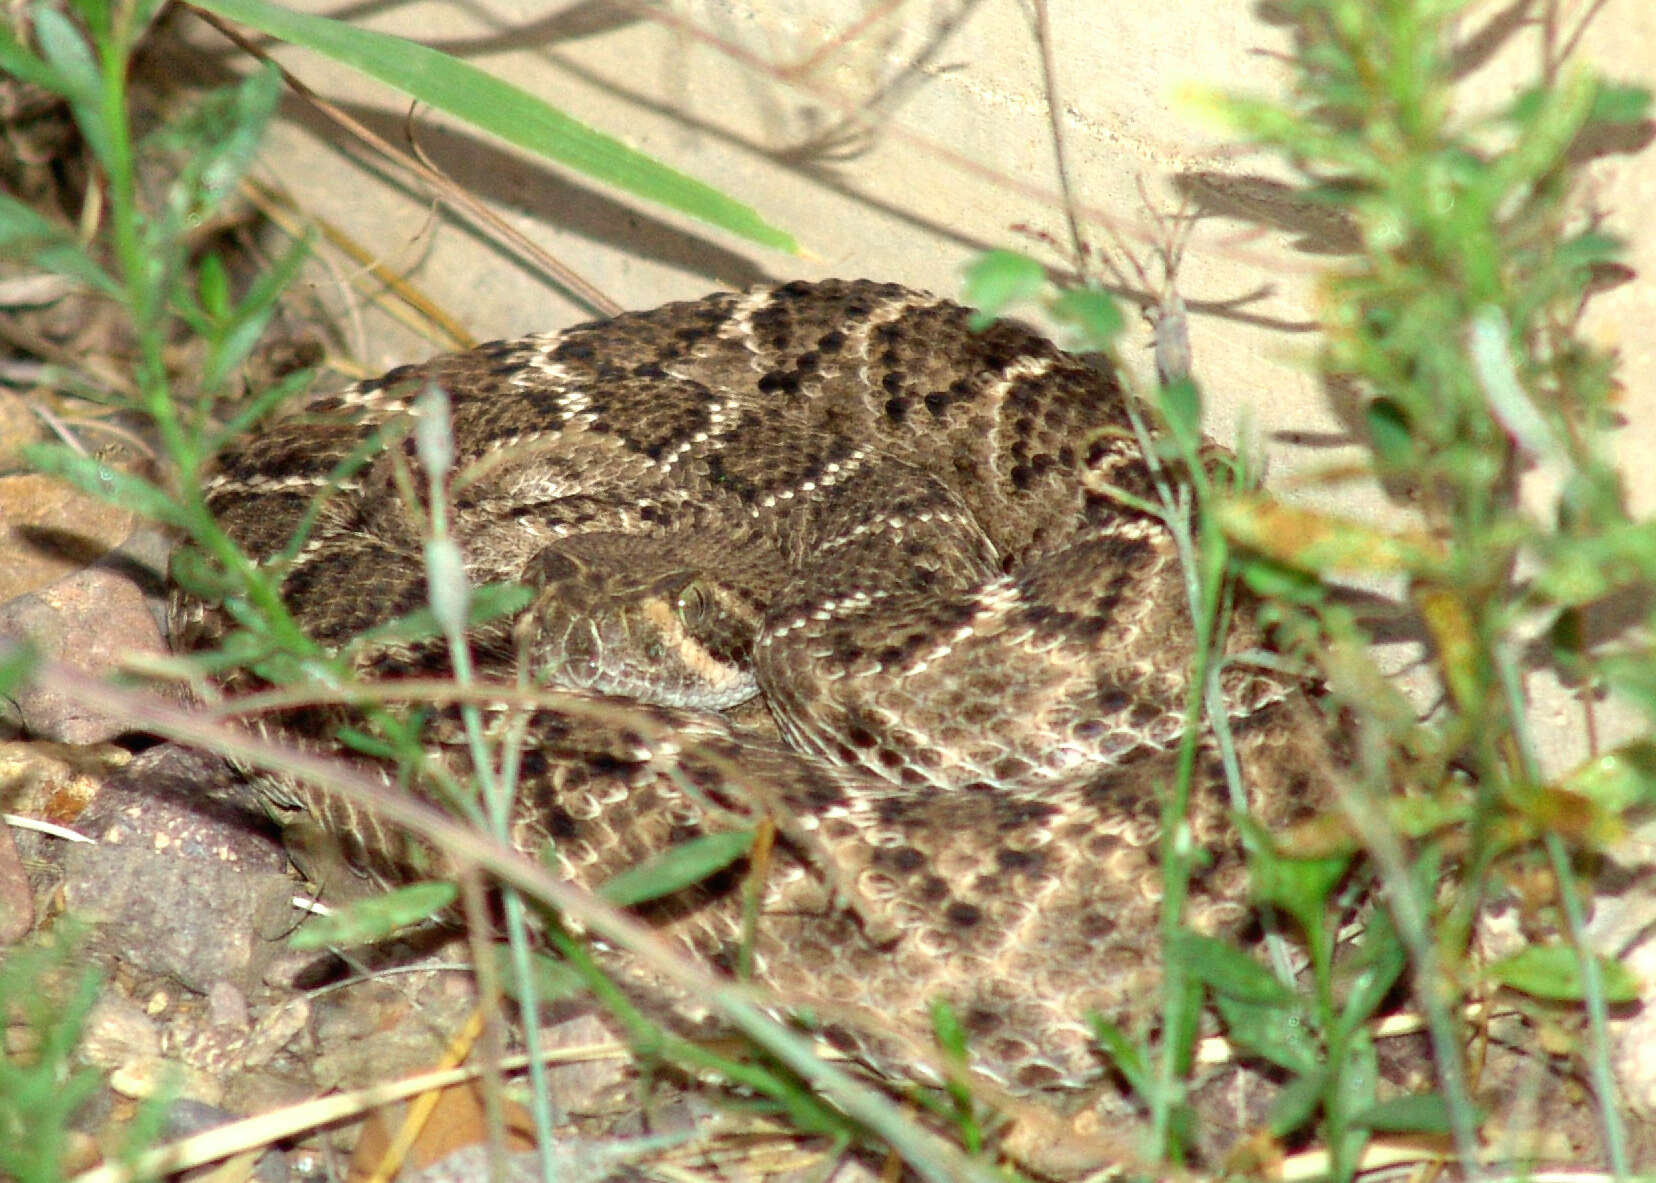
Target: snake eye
<point>696,604</point>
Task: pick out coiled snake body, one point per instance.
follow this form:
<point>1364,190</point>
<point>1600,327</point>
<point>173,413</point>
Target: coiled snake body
<point>892,529</point>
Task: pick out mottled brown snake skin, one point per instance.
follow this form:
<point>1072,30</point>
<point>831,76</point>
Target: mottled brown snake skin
<point>896,533</point>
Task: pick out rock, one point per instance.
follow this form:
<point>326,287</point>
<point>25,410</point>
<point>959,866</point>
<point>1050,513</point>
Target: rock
<point>18,426</point>
<point>49,784</point>
<point>93,618</point>
<point>187,1117</point>
<point>16,897</point>
<point>177,876</point>
<point>52,530</point>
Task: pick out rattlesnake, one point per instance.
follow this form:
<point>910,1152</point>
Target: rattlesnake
<point>900,534</point>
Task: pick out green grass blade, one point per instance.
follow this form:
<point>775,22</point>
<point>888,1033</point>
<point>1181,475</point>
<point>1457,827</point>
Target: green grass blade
<point>377,917</point>
<point>495,106</point>
<point>676,868</point>
<point>25,235</point>
<point>91,475</point>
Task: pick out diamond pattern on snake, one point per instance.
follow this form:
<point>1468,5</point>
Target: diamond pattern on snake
<point>830,538</point>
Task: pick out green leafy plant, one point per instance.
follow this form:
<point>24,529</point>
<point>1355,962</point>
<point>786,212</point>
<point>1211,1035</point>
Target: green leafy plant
<point>1456,325</point>
<point>138,258</point>
<point>44,1002</point>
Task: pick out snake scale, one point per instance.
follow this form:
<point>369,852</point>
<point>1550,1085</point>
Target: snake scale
<point>897,534</point>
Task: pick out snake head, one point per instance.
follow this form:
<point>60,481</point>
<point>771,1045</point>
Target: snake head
<point>617,616</point>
